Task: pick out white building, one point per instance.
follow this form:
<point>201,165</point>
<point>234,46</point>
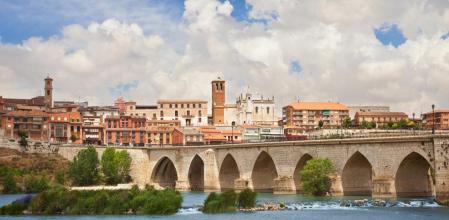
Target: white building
<point>251,109</point>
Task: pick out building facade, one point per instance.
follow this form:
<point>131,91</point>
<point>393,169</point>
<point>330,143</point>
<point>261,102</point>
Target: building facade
<point>93,130</point>
<point>125,130</point>
<point>190,112</point>
<point>441,120</point>
<point>366,108</point>
<point>160,132</point>
<point>256,110</point>
<point>66,127</point>
<point>309,115</point>
<point>187,137</point>
<point>34,124</point>
<point>380,118</point>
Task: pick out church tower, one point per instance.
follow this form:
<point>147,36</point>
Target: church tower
<point>218,101</point>
<point>48,92</point>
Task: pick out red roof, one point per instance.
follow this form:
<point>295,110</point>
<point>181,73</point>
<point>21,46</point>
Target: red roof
<point>32,113</point>
<point>318,106</point>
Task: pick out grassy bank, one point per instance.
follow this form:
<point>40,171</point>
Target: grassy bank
<point>60,201</point>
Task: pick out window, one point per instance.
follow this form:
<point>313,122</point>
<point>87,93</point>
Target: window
<point>199,113</point>
<point>182,105</point>
<point>257,110</point>
<point>199,120</point>
<point>188,112</point>
<point>154,115</point>
<point>268,110</point>
<point>162,105</point>
<point>170,105</point>
<point>188,105</point>
<point>199,105</point>
<point>176,105</point>
<point>162,114</point>
<point>176,113</point>
<point>193,105</point>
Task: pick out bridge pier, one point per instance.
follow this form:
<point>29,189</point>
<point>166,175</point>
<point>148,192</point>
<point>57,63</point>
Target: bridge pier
<point>284,185</point>
<point>383,187</point>
<point>441,152</point>
<point>182,185</point>
<point>241,184</point>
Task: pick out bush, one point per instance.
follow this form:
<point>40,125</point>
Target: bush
<point>60,177</point>
<point>116,166</point>
<point>35,185</point>
<point>247,199</point>
<point>13,209</point>
<point>84,168</point>
<point>219,203</point>
<point>10,185</point>
<point>315,176</point>
<point>149,201</point>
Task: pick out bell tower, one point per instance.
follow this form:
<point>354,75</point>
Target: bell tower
<point>48,89</point>
<point>218,101</point>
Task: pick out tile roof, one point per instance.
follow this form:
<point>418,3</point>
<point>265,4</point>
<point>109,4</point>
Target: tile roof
<point>318,106</point>
<point>163,101</point>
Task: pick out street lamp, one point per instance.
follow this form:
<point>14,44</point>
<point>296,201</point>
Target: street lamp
<point>433,119</point>
<point>413,115</point>
<point>232,131</point>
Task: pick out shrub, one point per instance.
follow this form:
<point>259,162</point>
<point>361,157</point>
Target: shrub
<point>35,185</point>
<point>10,185</point>
<point>247,199</point>
<point>84,168</point>
<point>315,176</point>
<point>149,201</point>
<point>219,203</point>
<point>60,177</point>
<point>13,209</point>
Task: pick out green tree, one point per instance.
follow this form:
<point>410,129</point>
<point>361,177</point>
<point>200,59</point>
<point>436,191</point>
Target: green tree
<point>315,176</point>
<point>116,166</point>
<point>23,142</point>
<point>347,122</point>
<point>84,168</point>
<point>35,185</point>
<point>320,124</point>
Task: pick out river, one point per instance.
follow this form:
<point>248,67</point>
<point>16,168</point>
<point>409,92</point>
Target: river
<point>299,207</point>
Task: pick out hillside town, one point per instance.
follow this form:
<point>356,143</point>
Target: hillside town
<point>187,122</point>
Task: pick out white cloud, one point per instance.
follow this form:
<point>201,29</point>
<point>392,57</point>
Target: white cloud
<point>341,60</point>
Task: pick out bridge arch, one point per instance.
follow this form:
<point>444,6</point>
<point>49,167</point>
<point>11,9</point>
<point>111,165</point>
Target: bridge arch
<point>357,176</point>
<point>164,173</point>
<point>196,174</point>
<point>264,172</point>
<point>299,166</point>
<point>229,172</point>
<point>414,177</point>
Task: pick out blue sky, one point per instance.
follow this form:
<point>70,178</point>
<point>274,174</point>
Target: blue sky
<point>22,19</point>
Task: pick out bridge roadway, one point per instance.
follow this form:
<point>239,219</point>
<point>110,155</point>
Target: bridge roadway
<point>379,167</point>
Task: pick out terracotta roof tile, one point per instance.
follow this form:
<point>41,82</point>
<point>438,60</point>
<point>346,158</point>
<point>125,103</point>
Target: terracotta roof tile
<point>376,114</point>
<point>318,106</point>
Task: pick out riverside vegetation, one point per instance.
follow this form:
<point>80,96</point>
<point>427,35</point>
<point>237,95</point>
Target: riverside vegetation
<point>58,200</point>
<point>315,176</point>
<point>229,201</point>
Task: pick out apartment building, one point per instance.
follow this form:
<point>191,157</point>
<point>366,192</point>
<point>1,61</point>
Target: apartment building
<point>125,130</point>
<point>380,118</point>
<point>93,130</point>
<point>308,115</point>
<point>190,112</point>
<point>66,127</point>
<point>160,132</point>
<point>34,123</point>
<point>441,119</point>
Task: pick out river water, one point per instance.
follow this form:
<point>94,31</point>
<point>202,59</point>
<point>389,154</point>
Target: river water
<point>298,207</point>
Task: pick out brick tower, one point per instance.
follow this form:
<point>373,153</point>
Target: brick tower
<point>218,101</point>
<point>48,92</point>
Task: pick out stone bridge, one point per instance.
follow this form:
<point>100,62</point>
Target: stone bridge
<point>379,167</point>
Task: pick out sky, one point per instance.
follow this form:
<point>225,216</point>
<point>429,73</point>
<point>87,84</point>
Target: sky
<point>370,52</point>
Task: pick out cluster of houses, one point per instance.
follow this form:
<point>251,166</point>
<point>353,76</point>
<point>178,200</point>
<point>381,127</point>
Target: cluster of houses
<point>251,118</point>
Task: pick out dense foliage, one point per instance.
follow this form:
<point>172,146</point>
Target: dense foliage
<point>247,199</point>
<point>34,184</point>
<point>315,176</point>
<point>59,200</point>
<point>9,184</point>
<point>23,141</point>
<point>229,201</point>
<point>84,168</point>
<point>115,166</point>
